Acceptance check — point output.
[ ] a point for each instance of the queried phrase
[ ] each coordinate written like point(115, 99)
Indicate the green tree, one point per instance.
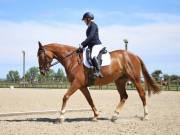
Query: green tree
point(60, 75)
point(13, 76)
point(156, 75)
point(32, 75)
point(50, 75)
point(166, 77)
point(174, 77)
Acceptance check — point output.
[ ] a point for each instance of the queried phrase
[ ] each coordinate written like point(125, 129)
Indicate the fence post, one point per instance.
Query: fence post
point(177, 86)
point(168, 83)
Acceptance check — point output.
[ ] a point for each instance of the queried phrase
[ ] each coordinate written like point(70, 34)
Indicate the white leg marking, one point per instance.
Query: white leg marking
point(63, 111)
point(145, 113)
point(145, 110)
point(62, 116)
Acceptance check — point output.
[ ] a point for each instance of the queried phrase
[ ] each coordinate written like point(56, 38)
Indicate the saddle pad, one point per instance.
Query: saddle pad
point(106, 59)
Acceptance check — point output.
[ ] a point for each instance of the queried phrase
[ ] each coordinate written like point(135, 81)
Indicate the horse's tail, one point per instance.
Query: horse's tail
point(149, 82)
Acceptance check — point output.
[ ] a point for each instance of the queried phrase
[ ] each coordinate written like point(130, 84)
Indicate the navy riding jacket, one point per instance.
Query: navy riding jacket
point(92, 36)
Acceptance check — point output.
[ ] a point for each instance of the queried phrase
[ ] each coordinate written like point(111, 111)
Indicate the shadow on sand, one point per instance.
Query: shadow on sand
point(55, 121)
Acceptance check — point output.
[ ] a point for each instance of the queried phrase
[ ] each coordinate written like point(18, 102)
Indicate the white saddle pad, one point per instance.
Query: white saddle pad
point(106, 59)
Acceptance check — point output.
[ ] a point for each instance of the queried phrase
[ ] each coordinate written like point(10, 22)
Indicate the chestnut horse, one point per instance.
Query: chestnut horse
point(124, 66)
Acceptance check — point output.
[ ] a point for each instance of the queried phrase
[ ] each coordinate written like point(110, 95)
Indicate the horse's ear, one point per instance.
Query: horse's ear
point(40, 45)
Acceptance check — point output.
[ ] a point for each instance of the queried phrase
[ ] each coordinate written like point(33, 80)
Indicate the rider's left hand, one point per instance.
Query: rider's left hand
point(80, 49)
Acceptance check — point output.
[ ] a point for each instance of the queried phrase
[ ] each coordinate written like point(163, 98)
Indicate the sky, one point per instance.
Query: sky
point(152, 28)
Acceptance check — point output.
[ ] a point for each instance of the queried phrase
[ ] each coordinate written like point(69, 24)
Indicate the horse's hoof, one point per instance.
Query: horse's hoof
point(61, 119)
point(94, 119)
point(114, 118)
point(57, 121)
point(145, 118)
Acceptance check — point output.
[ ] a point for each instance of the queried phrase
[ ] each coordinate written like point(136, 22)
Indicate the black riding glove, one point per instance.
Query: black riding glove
point(80, 49)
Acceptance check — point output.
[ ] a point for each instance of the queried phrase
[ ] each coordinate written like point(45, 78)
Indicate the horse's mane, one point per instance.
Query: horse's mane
point(56, 46)
point(61, 46)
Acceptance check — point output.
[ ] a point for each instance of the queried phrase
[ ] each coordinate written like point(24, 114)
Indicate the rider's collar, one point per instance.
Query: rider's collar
point(90, 23)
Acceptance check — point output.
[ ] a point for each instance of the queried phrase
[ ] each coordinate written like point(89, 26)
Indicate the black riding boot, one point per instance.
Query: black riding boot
point(97, 67)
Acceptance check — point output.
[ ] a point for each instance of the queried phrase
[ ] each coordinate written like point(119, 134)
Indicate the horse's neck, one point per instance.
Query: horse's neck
point(64, 56)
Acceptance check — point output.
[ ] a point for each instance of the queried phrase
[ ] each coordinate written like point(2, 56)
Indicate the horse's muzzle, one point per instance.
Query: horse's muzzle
point(43, 72)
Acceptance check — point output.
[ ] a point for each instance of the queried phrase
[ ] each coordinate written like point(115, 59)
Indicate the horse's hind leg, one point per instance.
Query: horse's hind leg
point(87, 95)
point(121, 87)
point(142, 95)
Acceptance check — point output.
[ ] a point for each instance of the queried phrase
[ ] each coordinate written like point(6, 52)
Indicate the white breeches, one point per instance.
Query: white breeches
point(95, 50)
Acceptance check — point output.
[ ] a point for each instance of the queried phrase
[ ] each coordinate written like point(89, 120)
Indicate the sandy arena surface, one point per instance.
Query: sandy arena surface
point(164, 113)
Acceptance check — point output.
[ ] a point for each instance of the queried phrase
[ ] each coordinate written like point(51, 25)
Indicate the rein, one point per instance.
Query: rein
point(55, 63)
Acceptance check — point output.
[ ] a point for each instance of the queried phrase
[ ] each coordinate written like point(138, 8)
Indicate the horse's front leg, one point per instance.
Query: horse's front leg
point(87, 95)
point(73, 88)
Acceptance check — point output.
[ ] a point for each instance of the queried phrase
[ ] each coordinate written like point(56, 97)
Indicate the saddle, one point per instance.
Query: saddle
point(99, 57)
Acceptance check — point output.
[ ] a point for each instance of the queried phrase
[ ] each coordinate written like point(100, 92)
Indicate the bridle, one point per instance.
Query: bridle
point(46, 64)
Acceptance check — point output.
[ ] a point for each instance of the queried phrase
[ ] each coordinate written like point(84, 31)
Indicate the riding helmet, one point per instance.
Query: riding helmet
point(88, 15)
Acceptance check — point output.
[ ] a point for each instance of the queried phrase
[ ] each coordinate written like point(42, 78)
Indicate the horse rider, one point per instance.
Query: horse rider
point(92, 41)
